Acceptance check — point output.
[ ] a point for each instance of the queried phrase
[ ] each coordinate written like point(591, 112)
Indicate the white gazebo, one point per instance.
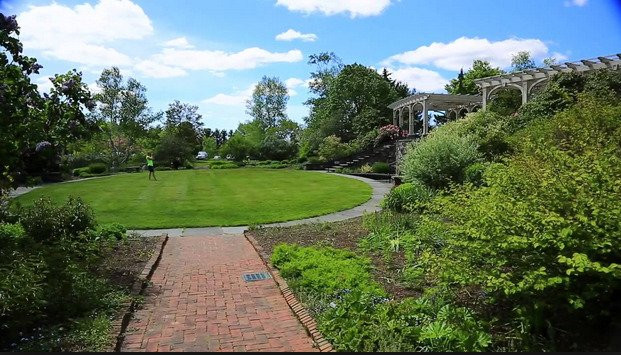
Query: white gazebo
point(453, 106)
point(528, 81)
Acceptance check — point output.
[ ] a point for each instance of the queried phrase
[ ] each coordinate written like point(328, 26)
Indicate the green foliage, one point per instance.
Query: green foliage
point(111, 232)
point(409, 198)
point(45, 222)
point(239, 147)
point(45, 261)
point(522, 61)
point(173, 148)
point(210, 146)
point(540, 233)
point(333, 149)
point(352, 102)
point(474, 173)
point(268, 105)
point(441, 158)
point(355, 315)
point(34, 129)
point(97, 168)
point(366, 323)
point(324, 270)
point(123, 116)
point(381, 168)
point(464, 83)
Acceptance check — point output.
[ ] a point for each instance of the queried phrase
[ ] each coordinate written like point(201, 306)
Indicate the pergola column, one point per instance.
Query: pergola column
point(401, 118)
point(394, 117)
point(524, 92)
point(411, 120)
point(484, 98)
point(425, 118)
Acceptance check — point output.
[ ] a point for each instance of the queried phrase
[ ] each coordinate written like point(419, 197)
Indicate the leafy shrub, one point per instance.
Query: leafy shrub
point(112, 231)
point(44, 221)
point(474, 173)
point(45, 263)
point(316, 160)
point(408, 198)
point(79, 171)
point(540, 234)
point(381, 168)
point(332, 148)
point(97, 168)
point(441, 158)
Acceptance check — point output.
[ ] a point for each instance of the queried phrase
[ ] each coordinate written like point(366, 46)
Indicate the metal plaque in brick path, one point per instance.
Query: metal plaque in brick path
point(259, 276)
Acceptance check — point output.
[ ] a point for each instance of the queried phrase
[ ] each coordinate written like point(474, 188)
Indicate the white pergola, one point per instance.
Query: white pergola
point(526, 81)
point(459, 105)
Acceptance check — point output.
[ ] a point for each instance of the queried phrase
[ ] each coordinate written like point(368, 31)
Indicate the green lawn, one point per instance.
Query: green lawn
point(203, 198)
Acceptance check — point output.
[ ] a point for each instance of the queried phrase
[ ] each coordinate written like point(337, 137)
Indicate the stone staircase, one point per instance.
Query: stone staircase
point(383, 153)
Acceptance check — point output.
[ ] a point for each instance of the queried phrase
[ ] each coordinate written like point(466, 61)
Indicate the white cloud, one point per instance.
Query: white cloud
point(579, 3)
point(355, 8)
point(461, 52)
point(219, 61)
point(181, 43)
point(152, 69)
point(291, 35)
point(80, 34)
point(44, 84)
point(238, 98)
point(423, 80)
point(560, 57)
point(94, 88)
point(292, 84)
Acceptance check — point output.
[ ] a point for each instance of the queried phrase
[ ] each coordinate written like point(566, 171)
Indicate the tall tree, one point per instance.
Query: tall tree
point(401, 88)
point(328, 65)
point(179, 112)
point(32, 126)
point(522, 61)
point(464, 83)
point(269, 100)
point(123, 113)
point(356, 103)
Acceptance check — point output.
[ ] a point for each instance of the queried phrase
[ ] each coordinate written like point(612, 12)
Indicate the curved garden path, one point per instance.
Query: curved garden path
point(197, 299)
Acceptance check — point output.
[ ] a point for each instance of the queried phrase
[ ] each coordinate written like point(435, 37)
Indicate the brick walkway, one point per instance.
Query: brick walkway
point(198, 301)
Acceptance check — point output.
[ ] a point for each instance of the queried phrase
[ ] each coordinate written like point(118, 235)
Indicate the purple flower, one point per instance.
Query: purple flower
point(35, 68)
point(42, 146)
point(8, 23)
point(67, 86)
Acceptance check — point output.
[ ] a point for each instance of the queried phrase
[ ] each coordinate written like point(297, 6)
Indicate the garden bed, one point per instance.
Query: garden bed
point(341, 235)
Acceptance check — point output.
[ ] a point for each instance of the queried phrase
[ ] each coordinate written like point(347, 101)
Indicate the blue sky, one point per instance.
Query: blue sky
point(212, 53)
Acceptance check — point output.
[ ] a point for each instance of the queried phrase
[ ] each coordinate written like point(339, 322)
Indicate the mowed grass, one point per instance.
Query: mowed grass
point(204, 198)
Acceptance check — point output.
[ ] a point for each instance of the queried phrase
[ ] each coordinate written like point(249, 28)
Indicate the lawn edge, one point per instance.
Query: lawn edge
point(119, 326)
point(298, 309)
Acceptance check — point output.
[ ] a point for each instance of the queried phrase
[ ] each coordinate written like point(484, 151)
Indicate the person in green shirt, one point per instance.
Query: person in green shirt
point(151, 166)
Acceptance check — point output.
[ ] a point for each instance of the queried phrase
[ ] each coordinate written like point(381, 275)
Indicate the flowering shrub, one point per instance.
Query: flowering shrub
point(388, 133)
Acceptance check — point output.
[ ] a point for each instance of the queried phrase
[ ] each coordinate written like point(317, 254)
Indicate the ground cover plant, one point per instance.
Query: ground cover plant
point(200, 198)
point(59, 288)
point(355, 314)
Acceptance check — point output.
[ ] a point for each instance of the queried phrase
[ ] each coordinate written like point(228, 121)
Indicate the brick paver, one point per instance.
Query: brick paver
point(198, 301)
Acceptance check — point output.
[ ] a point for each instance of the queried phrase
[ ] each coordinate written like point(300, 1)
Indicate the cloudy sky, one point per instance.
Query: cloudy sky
point(212, 53)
